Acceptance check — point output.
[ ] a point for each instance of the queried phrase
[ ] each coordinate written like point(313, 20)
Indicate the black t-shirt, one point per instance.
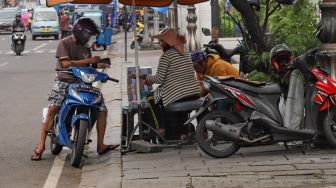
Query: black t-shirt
point(68, 49)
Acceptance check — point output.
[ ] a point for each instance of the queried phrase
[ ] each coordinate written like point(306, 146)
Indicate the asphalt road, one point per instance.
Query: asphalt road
point(25, 82)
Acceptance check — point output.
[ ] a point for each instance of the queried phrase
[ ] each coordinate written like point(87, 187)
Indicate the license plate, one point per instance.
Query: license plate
point(45, 30)
point(88, 88)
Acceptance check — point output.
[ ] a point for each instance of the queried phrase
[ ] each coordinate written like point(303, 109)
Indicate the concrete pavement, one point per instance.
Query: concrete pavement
point(189, 167)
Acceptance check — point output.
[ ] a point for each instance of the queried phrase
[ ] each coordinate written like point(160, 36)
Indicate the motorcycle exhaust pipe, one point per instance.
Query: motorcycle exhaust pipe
point(229, 132)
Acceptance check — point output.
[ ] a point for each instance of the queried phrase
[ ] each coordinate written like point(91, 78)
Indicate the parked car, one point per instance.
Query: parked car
point(7, 16)
point(45, 23)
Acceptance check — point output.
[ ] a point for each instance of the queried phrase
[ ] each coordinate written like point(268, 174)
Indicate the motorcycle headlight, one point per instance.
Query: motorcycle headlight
point(98, 99)
point(75, 94)
point(87, 77)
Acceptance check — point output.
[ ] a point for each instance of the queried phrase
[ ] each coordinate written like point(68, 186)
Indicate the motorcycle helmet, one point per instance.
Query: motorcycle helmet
point(280, 57)
point(83, 29)
point(198, 58)
point(17, 16)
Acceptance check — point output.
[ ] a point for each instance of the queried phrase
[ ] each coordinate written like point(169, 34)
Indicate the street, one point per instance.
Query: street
point(25, 83)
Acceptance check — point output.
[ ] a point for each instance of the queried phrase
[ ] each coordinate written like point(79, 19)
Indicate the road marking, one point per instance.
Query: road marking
point(26, 52)
point(55, 171)
point(3, 64)
point(10, 52)
point(40, 46)
point(3, 39)
point(39, 51)
point(52, 51)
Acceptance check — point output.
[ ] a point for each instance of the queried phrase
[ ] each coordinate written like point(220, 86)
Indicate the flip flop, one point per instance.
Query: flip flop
point(36, 156)
point(108, 148)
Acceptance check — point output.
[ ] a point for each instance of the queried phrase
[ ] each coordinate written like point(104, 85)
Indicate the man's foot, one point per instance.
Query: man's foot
point(108, 148)
point(36, 155)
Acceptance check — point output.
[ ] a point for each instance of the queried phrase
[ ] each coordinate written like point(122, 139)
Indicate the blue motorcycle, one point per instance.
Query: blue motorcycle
point(78, 113)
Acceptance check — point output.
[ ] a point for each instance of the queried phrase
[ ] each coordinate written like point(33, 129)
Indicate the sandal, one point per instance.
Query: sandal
point(36, 156)
point(108, 148)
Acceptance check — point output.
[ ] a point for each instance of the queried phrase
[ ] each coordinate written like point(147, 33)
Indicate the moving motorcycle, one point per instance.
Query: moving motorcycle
point(259, 121)
point(78, 113)
point(139, 35)
point(18, 40)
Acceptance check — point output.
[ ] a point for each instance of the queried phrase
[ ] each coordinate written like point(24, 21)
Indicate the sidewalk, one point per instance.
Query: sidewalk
point(189, 167)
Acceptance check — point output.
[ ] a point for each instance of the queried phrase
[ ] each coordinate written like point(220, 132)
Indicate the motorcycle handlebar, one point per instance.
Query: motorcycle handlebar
point(113, 80)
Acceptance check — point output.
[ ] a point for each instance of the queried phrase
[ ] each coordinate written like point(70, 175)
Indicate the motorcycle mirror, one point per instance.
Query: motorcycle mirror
point(206, 31)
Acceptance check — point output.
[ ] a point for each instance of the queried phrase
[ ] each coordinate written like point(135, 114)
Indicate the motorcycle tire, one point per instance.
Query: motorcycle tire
point(79, 143)
point(329, 127)
point(202, 135)
point(18, 53)
point(55, 147)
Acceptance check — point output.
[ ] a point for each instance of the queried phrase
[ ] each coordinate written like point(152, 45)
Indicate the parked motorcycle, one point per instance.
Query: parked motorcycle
point(216, 48)
point(78, 113)
point(18, 40)
point(259, 121)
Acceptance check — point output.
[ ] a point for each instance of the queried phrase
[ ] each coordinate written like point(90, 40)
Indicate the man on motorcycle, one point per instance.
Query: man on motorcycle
point(17, 23)
point(73, 51)
point(211, 65)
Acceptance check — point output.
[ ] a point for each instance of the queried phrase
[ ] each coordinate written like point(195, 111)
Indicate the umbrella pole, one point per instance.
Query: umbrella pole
point(137, 69)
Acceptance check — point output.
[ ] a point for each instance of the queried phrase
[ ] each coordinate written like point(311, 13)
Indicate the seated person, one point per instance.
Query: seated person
point(175, 74)
point(211, 65)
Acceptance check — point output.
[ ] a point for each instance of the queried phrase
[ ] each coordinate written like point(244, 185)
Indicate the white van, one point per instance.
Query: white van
point(45, 23)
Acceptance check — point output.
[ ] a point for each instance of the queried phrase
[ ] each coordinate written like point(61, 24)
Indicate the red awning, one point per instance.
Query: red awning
point(151, 3)
point(160, 3)
point(54, 2)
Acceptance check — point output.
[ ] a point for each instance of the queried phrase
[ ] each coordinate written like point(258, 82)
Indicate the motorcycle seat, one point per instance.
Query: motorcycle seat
point(259, 88)
point(185, 104)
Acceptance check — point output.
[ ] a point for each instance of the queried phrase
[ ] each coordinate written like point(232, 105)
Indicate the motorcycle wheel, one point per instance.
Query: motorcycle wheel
point(79, 143)
point(132, 45)
point(329, 127)
point(55, 147)
point(214, 144)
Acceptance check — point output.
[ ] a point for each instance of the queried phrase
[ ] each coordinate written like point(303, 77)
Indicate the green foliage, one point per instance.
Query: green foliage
point(259, 76)
point(295, 26)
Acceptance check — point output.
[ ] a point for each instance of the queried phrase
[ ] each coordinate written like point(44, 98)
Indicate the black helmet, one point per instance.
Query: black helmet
point(18, 16)
point(83, 29)
point(280, 56)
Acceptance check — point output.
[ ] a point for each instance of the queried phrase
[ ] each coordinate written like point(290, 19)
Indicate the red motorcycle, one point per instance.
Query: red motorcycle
point(254, 116)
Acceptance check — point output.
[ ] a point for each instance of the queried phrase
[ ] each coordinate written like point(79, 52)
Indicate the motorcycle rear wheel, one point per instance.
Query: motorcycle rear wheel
point(329, 127)
point(79, 143)
point(208, 141)
point(55, 147)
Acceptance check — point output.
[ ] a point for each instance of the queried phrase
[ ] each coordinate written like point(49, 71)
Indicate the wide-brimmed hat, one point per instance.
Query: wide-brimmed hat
point(172, 38)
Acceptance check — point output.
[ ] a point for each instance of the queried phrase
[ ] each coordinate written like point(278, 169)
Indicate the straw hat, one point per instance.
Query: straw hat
point(172, 38)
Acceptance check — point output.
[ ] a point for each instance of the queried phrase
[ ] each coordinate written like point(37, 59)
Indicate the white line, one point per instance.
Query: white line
point(40, 51)
point(3, 39)
point(3, 64)
point(52, 51)
point(40, 46)
point(26, 52)
point(10, 52)
point(55, 172)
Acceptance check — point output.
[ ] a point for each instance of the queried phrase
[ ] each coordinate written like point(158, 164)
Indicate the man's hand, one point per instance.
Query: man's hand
point(94, 59)
point(102, 66)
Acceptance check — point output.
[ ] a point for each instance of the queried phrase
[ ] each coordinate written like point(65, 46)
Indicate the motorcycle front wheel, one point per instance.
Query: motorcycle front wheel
point(329, 127)
point(211, 143)
point(79, 143)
